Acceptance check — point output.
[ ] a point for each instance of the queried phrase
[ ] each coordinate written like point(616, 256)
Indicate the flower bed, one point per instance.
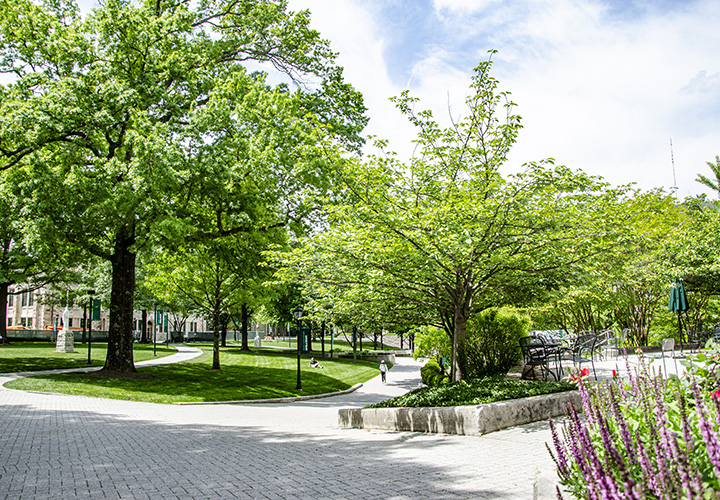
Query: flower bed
point(645, 437)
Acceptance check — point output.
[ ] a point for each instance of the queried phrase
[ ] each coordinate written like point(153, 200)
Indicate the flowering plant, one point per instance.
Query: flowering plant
point(575, 375)
point(642, 438)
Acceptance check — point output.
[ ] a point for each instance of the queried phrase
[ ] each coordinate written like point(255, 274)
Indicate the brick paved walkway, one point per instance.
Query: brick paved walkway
point(65, 447)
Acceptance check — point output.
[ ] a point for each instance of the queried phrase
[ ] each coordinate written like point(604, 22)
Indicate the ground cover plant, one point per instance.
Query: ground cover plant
point(35, 356)
point(244, 376)
point(474, 392)
point(647, 437)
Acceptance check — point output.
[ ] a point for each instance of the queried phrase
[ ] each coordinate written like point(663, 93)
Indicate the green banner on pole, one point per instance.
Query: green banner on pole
point(304, 340)
point(159, 318)
point(96, 310)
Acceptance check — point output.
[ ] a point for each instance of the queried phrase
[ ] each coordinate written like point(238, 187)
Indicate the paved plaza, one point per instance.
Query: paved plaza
point(64, 447)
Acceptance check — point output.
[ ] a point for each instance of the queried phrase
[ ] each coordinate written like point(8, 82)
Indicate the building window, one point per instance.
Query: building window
point(10, 298)
point(9, 322)
point(29, 325)
point(23, 299)
point(69, 322)
point(30, 298)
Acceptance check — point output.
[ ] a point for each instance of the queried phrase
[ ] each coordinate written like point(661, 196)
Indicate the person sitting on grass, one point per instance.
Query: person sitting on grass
point(314, 363)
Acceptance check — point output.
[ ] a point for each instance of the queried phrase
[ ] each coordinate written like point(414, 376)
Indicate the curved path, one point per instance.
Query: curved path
point(65, 447)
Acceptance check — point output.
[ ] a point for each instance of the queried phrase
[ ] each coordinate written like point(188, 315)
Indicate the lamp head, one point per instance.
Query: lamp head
point(298, 312)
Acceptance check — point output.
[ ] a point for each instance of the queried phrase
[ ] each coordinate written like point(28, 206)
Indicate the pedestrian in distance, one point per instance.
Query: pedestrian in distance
point(383, 371)
point(315, 364)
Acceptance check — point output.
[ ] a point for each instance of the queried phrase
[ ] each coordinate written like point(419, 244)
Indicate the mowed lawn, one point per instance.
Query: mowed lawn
point(261, 374)
point(35, 356)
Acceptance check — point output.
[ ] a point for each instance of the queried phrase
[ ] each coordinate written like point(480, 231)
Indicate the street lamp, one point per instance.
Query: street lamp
point(154, 328)
point(298, 315)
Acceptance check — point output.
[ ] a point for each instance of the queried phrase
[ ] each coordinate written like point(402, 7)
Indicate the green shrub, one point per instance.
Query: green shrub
point(491, 344)
point(431, 342)
point(475, 392)
point(432, 375)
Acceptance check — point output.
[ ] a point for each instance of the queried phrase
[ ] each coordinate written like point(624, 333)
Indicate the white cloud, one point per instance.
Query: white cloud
point(601, 85)
point(703, 84)
point(463, 6)
point(605, 93)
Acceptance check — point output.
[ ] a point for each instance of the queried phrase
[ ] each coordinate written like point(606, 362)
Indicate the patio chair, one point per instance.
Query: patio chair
point(620, 341)
point(584, 350)
point(536, 355)
point(605, 342)
point(668, 345)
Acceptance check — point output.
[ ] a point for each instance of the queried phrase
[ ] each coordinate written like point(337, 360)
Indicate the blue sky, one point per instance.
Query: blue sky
point(602, 86)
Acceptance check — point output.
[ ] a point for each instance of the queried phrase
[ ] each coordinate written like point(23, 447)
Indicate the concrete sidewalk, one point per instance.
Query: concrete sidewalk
point(76, 447)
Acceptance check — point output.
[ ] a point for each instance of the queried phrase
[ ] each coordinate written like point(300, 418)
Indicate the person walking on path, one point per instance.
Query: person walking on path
point(383, 370)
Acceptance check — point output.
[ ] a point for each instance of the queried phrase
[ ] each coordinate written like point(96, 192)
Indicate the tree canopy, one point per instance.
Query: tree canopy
point(451, 233)
point(139, 125)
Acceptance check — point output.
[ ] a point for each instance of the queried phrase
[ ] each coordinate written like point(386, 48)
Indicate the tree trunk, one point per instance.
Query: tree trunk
point(309, 336)
point(84, 332)
point(216, 321)
point(143, 328)
point(4, 287)
point(322, 339)
point(120, 338)
point(244, 328)
point(223, 333)
point(458, 339)
point(354, 344)
point(216, 337)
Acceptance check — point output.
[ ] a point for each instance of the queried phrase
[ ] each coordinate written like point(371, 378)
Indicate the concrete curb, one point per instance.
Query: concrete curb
point(277, 400)
point(462, 420)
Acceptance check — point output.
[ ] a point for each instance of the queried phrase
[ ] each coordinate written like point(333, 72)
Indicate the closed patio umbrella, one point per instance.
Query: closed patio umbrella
point(678, 302)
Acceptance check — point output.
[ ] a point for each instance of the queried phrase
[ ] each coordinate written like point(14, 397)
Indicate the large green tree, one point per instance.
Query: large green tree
point(24, 261)
point(448, 231)
point(623, 286)
point(220, 277)
point(140, 125)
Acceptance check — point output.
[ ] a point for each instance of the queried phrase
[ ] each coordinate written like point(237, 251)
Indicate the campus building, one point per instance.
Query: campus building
point(40, 312)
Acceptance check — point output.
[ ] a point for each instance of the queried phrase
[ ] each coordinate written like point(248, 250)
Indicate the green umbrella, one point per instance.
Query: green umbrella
point(678, 302)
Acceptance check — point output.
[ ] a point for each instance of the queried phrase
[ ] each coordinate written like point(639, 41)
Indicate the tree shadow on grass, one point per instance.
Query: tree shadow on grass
point(190, 382)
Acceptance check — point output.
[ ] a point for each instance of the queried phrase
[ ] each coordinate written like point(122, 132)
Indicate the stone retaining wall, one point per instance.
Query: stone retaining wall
point(465, 420)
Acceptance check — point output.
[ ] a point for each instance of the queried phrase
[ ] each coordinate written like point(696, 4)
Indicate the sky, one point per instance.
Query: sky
point(602, 86)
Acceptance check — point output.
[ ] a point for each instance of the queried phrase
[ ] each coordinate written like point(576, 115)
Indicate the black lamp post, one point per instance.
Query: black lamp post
point(154, 328)
point(298, 315)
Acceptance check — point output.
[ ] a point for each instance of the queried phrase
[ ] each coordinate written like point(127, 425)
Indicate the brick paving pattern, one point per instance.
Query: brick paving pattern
point(66, 447)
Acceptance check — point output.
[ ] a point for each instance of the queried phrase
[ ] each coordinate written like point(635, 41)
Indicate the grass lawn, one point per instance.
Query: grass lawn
point(33, 356)
point(255, 375)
